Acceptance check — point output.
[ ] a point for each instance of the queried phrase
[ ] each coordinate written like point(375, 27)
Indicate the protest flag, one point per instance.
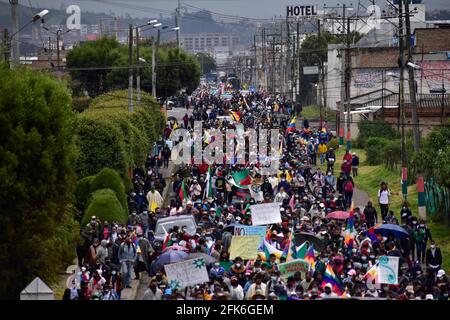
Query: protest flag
point(350, 231)
point(330, 277)
point(183, 194)
point(309, 257)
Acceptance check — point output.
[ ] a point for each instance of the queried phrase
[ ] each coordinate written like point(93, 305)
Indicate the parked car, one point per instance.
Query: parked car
point(163, 226)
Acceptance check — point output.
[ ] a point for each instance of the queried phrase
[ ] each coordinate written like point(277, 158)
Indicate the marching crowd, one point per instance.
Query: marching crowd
point(339, 265)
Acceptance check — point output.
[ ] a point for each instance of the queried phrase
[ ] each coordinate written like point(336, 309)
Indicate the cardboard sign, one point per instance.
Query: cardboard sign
point(288, 269)
point(388, 270)
point(186, 273)
point(250, 231)
point(267, 213)
point(245, 247)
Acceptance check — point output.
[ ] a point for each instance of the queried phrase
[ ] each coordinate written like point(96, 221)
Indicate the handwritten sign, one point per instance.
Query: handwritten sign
point(186, 273)
point(288, 269)
point(388, 270)
point(266, 213)
point(245, 247)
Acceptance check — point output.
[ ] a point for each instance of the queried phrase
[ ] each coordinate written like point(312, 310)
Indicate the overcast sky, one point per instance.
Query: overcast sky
point(246, 8)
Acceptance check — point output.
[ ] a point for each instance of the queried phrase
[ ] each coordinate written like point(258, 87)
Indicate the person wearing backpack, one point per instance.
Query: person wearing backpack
point(348, 191)
point(127, 257)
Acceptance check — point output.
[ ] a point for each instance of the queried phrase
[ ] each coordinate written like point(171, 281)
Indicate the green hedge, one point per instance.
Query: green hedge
point(110, 136)
point(109, 178)
point(334, 143)
point(82, 192)
point(374, 149)
point(369, 129)
point(105, 206)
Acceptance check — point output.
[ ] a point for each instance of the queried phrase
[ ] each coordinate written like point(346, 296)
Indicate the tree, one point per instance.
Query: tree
point(85, 63)
point(37, 154)
point(207, 63)
point(101, 66)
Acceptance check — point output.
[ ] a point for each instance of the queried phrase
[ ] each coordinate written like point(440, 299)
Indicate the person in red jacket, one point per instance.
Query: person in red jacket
point(348, 157)
point(346, 168)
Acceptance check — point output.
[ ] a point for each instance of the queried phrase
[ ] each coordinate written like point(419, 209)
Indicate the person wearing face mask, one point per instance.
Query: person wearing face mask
point(235, 289)
point(238, 268)
point(127, 257)
point(328, 294)
point(153, 292)
point(216, 271)
point(256, 289)
point(433, 258)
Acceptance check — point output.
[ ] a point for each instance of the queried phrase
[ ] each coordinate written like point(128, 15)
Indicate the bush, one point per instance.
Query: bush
point(110, 179)
point(105, 206)
point(369, 129)
point(392, 154)
point(82, 192)
point(79, 104)
point(374, 150)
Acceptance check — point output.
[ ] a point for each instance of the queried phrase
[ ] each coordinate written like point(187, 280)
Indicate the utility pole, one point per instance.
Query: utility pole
point(348, 79)
point(15, 32)
point(412, 87)
point(402, 101)
point(178, 23)
point(343, 91)
point(256, 63)
point(138, 70)
point(320, 78)
point(6, 46)
point(154, 62)
point(58, 35)
point(263, 44)
point(130, 68)
point(297, 85)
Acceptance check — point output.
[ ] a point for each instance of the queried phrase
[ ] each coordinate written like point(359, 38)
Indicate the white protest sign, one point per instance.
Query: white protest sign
point(186, 273)
point(266, 213)
point(388, 270)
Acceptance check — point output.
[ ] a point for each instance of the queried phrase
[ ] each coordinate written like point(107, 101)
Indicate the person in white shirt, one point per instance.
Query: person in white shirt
point(383, 199)
point(236, 290)
point(154, 196)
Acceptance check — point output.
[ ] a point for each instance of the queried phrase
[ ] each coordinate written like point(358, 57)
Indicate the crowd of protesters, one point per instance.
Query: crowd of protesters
point(306, 193)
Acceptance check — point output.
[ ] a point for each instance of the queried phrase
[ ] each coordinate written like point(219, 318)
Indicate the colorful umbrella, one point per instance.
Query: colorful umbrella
point(168, 257)
point(338, 215)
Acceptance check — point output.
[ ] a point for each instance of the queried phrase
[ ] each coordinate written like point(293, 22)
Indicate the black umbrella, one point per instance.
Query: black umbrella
point(302, 237)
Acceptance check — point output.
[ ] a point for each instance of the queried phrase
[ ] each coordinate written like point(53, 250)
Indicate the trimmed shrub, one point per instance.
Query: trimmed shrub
point(374, 150)
point(392, 154)
point(105, 206)
point(82, 192)
point(109, 178)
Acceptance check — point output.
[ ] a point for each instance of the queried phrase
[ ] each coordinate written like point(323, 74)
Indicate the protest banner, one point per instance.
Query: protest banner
point(245, 247)
point(266, 213)
point(186, 273)
point(250, 231)
point(388, 270)
point(288, 269)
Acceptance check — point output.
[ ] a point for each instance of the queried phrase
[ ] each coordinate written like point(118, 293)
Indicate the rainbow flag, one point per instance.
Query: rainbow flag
point(287, 249)
point(372, 274)
point(350, 231)
point(330, 277)
point(310, 258)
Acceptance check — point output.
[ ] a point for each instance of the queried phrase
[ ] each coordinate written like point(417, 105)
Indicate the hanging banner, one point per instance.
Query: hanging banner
point(288, 269)
point(250, 231)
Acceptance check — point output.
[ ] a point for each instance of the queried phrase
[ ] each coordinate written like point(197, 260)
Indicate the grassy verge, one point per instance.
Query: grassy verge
point(369, 179)
point(312, 112)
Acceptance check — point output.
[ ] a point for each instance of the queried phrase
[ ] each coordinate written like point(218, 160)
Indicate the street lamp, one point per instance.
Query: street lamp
point(16, 52)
